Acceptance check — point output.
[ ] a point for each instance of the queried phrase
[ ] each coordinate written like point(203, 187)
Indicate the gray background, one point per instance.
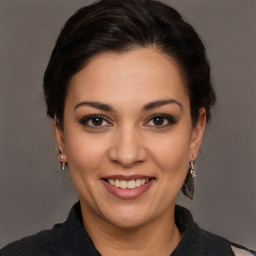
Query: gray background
point(34, 194)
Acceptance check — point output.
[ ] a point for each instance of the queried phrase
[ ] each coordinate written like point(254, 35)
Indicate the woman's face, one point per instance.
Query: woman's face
point(127, 122)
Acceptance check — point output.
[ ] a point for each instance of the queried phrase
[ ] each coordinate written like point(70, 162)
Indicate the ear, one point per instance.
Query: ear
point(59, 134)
point(197, 134)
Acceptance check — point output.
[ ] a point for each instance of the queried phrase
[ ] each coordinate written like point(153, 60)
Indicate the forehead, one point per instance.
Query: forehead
point(141, 74)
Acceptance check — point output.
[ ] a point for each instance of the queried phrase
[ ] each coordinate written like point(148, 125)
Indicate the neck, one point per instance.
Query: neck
point(157, 237)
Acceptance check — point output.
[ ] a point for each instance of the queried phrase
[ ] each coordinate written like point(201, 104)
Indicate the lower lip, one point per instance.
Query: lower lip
point(128, 193)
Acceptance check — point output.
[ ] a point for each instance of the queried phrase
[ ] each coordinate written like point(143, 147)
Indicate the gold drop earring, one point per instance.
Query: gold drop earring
point(63, 160)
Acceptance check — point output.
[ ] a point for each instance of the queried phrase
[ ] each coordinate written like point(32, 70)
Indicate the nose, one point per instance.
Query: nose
point(128, 148)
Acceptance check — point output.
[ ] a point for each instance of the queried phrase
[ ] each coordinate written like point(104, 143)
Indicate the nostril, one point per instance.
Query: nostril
point(127, 151)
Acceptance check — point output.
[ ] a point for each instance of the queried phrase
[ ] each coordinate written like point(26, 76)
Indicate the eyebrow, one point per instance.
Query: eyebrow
point(159, 103)
point(148, 106)
point(95, 104)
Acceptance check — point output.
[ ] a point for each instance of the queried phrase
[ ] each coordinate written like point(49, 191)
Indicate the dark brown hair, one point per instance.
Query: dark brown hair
point(119, 26)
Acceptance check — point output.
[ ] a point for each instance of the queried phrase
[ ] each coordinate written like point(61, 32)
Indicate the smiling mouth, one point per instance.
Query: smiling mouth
point(127, 184)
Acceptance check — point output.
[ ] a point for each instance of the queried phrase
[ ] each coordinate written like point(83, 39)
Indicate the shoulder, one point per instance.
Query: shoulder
point(215, 241)
point(68, 238)
point(239, 250)
point(197, 241)
point(48, 242)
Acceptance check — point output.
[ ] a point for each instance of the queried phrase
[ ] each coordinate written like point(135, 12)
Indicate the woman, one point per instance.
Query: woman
point(128, 86)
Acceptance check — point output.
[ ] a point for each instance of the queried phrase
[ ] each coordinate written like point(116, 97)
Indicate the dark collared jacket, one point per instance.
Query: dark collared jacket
point(71, 239)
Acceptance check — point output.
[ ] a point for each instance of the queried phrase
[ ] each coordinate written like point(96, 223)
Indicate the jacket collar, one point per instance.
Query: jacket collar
point(195, 241)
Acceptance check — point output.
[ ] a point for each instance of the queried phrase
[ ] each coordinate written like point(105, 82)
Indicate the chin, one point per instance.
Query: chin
point(128, 217)
point(129, 221)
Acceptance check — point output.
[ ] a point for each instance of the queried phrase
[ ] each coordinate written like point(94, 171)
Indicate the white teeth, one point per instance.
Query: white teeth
point(138, 183)
point(117, 184)
point(131, 184)
point(123, 184)
point(128, 184)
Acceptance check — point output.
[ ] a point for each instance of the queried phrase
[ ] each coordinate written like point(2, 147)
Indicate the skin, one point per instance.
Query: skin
point(129, 141)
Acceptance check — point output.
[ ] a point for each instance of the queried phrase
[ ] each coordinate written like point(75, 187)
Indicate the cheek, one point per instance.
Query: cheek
point(85, 153)
point(173, 149)
point(172, 157)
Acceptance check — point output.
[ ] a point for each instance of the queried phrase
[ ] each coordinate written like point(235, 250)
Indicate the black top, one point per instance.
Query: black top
point(71, 239)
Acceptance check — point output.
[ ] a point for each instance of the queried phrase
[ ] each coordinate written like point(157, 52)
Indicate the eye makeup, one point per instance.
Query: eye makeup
point(160, 120)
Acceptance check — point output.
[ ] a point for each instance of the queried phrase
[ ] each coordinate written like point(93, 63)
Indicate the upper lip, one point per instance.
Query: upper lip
point(129, 177)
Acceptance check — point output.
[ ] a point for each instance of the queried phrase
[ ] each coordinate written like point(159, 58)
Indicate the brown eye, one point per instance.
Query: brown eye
point(158, 120)
point(97, 121)
point(161, 121)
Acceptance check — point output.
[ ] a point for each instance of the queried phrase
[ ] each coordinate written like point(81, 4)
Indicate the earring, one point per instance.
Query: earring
point(63, 165)
point(63, 160)
point(192, 168)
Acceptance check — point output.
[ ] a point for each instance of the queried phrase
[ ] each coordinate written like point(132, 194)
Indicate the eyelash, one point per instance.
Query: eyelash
point(166, 118)
point(84, 121)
